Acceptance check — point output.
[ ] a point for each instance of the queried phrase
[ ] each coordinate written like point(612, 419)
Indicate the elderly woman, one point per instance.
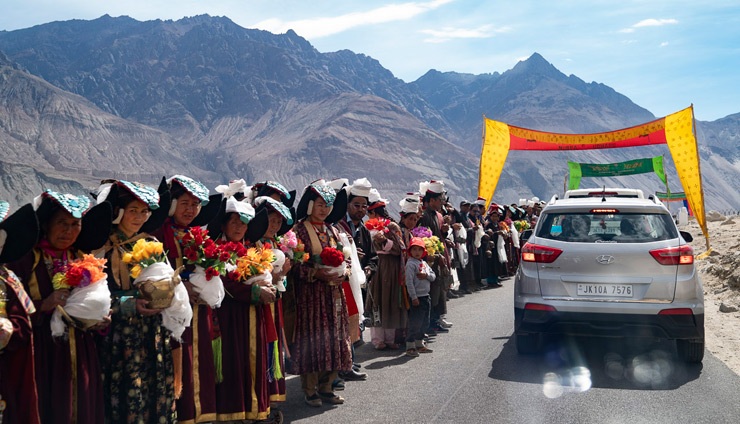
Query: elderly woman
point(243, 393)
point(195, 386)
point(322, 345)
point(18, 234)
point(67, 369)
point(136, 356)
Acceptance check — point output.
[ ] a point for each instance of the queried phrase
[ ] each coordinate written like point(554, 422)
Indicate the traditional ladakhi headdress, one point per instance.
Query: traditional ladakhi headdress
point(269, 204)
point(410, 203)
point(361, 187)
point(375, 201)
point(119, 192)
point(210, 205)
point(96, 221)
point(337, 201)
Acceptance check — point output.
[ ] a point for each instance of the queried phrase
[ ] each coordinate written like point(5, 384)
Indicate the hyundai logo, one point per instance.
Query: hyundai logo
point(605, 259)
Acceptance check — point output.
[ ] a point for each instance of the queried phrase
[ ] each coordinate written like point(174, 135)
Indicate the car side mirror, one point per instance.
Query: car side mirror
point(687, 236)
point(526, 234)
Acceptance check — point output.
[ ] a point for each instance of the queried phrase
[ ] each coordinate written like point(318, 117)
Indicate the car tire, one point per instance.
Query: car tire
point(691, 351)
point(528, 343)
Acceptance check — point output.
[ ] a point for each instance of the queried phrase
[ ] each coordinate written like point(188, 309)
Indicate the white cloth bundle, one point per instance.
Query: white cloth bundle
point(209, 291)
point(479, 233)
point(462, 248)
point(179, 314)
point(88, 303)
point(277, 268)
point(514, 236)
point(357, 277)
point(501, 248)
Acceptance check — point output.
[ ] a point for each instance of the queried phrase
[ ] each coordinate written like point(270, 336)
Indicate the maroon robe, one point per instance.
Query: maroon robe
point(243, 394)
point(17, 372)
point(61, 363)
point(195, 349)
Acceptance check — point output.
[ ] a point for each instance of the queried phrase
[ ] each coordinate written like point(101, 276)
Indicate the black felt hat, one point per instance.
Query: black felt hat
point(21, 232)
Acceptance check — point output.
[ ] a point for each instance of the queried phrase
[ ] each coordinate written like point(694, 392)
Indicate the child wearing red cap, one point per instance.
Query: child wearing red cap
point(419, 276)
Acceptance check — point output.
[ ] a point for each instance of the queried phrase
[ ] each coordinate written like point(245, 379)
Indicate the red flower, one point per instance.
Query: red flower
point(225, 256)
point(191, 255)
point(75, 276)
point(211, 252)
point(187, 238)
point(234, 276)
point(331, 257)
point(211, 272)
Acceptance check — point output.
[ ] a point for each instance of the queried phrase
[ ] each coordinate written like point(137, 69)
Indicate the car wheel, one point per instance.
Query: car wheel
point(691, 351)
point(528, 343)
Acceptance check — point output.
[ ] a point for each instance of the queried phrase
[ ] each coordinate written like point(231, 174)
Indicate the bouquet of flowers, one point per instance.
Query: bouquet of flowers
point(89, 301)
point(160, 285)
point(144, 254)
point(377, 226)
point(434, 245)
point(292, 247)
point(332, 258)
point(200, 250)
point(254, 266)
point(421, 232)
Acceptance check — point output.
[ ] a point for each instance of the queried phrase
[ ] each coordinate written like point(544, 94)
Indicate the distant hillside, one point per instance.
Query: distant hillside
point(247, 103)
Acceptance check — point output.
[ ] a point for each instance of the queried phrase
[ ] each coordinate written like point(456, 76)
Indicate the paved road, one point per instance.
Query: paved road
point(476, 376)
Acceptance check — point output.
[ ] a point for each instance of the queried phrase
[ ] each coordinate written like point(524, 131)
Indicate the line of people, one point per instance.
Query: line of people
point(225, 359)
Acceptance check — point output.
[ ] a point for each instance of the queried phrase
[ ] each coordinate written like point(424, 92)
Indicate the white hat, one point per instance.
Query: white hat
point(244, 209)
point(433, 186)
point(337, 183)
point(480, 201)
point(535, 199)
point(530, 203)
point(374, 196)
point(409, 205)
point(361, 187)
point(522, 202)
point(234, 187)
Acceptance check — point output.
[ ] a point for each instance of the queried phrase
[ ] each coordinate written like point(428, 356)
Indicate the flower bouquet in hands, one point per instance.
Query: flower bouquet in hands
point(89, 301)
point(160, 285)
point(377, 226)
point(207, 256)
point(254, 266)
point(292, 247)
point(332, 259)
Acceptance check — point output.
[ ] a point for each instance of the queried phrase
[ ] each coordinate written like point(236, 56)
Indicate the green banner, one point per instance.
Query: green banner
point(670, 197)
point(631, 167)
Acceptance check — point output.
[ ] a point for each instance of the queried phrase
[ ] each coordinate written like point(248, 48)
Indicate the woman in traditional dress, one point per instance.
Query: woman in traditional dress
point(135, 353)
point(67, 369)
point(195, 378)
point(386, 297)
point(280, 221)
point(322, 345)
point(18, 396)
point(243, 393)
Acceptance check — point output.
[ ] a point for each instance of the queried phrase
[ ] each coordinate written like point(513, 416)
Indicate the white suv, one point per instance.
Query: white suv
point(609, 266)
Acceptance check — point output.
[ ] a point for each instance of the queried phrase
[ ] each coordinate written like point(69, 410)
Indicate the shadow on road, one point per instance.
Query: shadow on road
point(577, 364)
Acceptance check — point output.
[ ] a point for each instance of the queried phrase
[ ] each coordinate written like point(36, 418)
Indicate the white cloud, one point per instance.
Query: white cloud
point(649, 23)
point(663, 44)
point(324, 26)
point(654, 22)
point(449, 33)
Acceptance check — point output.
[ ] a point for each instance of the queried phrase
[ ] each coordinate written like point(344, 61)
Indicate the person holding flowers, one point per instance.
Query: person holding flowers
point(385, 297)
point(195, 384)
point(321, 345)
point(68, 375)
point(135, 353)
point(280, 236)
point(18, 234)
point(244, 319)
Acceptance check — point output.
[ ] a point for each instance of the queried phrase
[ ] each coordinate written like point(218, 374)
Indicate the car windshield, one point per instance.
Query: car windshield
point(614, 228)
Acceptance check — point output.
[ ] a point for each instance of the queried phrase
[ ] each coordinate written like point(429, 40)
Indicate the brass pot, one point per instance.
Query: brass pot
point(159, 293)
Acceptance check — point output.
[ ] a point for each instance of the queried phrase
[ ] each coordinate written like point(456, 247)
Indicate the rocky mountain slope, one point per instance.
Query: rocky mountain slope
point(248, 103)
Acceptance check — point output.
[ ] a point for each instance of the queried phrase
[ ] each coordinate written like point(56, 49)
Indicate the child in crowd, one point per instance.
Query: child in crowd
point(419, 276)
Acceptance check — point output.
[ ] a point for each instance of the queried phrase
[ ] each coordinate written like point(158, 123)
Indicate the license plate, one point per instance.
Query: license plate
point(617, 290)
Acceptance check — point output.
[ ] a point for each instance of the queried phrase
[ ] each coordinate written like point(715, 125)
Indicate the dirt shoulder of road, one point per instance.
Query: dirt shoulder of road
point(720, 273)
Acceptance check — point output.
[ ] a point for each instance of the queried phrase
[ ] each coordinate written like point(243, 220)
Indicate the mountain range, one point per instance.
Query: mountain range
point(204, 97)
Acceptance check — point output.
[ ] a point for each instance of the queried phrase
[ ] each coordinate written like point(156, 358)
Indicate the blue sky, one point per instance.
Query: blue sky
point(664, 55)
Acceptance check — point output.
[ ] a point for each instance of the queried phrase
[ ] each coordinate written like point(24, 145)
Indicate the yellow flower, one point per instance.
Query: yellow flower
point(135, 271)
point(127, 258)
